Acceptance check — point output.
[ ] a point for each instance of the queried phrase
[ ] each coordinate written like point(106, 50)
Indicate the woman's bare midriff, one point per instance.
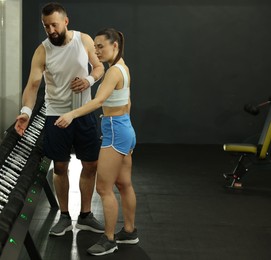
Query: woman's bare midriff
point(115, 111)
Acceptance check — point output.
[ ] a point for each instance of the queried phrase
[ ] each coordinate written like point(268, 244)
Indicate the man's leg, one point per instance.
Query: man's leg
point(61, 184)
point(86, 220)
point(86, 184)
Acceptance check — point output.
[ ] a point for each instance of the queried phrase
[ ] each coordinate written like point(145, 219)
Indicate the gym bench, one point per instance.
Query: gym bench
point(251, 153)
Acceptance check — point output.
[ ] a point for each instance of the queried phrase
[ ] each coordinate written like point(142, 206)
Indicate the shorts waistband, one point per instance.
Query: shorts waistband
point(120, 116)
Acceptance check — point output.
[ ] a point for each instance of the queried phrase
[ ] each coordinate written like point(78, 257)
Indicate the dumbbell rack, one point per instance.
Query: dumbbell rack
point(22, 178)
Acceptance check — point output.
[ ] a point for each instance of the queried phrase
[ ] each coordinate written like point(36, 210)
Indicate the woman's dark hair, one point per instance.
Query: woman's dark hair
point(113, 35)
point(52, 7)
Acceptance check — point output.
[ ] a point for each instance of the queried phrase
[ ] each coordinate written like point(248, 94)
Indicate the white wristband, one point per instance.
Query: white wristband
point(26, 110)
point(90, 79)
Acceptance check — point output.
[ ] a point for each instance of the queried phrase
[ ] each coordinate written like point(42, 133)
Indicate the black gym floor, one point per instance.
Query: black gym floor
point(183, 210)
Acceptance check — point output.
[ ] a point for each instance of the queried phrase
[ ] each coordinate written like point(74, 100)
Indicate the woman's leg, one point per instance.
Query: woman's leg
point(128, 198)
point(109, 166)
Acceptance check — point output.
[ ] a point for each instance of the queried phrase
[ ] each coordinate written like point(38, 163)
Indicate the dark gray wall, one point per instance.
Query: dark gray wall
point(194, 64)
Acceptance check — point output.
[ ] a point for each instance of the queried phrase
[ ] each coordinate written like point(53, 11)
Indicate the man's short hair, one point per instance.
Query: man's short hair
point(52, 7)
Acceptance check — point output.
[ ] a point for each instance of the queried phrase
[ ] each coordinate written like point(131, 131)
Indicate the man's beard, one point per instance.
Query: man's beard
point(58, 41)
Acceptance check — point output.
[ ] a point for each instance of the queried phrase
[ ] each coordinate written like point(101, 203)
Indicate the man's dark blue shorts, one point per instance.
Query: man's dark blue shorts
point(81, 135)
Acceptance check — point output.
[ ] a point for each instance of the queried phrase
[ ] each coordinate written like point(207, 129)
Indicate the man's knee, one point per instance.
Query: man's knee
point(61, 168)
point(89, 168)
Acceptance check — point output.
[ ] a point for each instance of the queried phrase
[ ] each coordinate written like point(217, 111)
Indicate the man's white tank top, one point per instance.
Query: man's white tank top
point(63, 64)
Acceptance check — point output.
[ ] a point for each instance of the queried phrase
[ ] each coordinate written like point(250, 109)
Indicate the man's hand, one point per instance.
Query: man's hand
point(78, 85)
point(21, 124)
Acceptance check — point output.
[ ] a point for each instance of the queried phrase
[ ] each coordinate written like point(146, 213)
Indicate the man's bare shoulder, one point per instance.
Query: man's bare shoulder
point(86, 38)
point(39, 55)
point(40, 50)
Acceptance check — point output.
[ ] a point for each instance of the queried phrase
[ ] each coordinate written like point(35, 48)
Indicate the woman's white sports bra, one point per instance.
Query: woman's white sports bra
point(119, 97)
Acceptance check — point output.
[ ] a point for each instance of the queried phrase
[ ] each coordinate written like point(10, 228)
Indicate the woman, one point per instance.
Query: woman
point(115, 160)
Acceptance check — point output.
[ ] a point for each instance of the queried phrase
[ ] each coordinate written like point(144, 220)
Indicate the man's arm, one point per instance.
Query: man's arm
point(31, 89)
point(80, 84)
point(97, 67)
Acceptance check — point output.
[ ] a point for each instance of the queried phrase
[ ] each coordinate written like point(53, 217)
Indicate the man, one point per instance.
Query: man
point(63, 60)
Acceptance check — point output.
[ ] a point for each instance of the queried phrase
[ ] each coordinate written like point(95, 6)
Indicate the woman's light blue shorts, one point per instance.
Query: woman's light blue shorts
point(118, 133)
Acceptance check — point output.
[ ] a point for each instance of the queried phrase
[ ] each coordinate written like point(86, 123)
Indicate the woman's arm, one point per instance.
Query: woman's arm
point(111, 79)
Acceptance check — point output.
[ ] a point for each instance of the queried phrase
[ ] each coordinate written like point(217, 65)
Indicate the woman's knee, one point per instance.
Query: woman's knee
point(122, 186)
point(104, 189)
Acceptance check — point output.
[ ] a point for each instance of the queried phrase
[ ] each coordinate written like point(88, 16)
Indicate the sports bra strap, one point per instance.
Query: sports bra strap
point(125, 76)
